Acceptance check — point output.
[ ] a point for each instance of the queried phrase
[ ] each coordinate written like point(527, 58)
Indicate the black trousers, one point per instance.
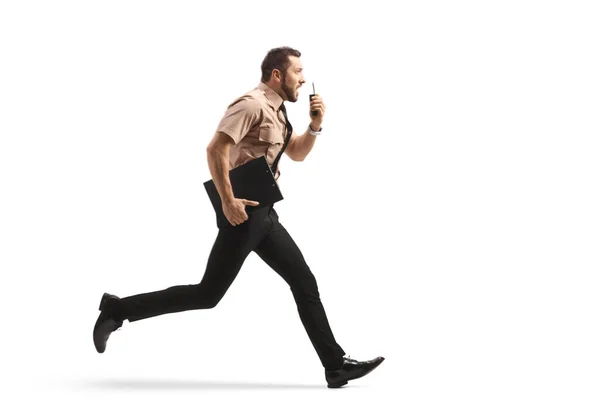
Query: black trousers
point(263, 234)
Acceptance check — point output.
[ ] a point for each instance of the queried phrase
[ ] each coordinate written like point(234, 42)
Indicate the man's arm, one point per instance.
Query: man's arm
point(300, 146)
point(217, 154)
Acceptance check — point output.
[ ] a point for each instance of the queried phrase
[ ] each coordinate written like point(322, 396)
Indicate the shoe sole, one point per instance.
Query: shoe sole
point(97, 343)
point(97, 340)
point(336, 385)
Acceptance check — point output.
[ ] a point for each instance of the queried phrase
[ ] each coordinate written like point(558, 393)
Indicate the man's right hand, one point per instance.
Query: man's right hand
point(235, 210)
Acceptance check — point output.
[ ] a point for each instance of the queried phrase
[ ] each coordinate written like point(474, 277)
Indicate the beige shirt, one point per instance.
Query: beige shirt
point(256, 125)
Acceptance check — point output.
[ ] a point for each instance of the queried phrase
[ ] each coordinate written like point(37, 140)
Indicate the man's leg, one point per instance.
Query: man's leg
point(232, 246)
point(282, 254)
point(230, 250)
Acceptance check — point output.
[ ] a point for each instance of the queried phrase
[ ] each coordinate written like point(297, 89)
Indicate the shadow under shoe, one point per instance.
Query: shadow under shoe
point(350, 369)
point(106, 322)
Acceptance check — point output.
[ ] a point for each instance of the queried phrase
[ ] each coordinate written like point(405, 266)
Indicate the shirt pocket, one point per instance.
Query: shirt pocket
point(269, 135)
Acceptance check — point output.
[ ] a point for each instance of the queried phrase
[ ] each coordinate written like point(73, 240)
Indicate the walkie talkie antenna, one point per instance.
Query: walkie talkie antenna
point(310, 96)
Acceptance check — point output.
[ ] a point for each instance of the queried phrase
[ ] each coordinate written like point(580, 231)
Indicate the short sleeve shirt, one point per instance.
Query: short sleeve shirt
point(256, 125)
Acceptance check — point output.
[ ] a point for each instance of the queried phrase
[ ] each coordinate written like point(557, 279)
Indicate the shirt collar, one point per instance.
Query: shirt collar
point(274, 99)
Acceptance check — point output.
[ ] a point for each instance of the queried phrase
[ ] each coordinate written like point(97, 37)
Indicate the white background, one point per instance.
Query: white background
point(449, 210)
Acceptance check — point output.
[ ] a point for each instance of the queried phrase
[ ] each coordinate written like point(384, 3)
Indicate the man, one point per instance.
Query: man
point(254, 125)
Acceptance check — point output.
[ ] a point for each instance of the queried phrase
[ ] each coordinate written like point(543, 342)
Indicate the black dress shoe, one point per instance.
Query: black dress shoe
point(350, 369)
point(106, 323)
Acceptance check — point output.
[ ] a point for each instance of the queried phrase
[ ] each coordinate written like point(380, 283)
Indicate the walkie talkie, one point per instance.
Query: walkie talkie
point(310, 96)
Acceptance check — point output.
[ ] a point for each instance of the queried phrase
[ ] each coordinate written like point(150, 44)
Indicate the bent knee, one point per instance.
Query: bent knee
point(208, 299)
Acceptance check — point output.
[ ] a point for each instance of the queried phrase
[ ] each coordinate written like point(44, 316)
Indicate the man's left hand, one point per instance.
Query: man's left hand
point(316, 104)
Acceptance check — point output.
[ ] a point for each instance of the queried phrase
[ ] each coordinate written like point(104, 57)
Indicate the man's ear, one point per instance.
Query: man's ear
point(277, 75)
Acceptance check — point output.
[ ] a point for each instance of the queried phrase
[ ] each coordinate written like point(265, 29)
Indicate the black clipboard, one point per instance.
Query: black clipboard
point(253, 180)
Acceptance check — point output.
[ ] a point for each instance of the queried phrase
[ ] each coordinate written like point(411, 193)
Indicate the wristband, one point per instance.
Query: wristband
point(314, 133)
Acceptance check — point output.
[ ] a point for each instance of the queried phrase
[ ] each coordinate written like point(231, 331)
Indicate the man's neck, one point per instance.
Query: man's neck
point(276, 90)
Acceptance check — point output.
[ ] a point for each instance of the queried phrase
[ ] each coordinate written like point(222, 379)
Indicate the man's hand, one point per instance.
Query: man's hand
point(235, 210)
point(316, 104)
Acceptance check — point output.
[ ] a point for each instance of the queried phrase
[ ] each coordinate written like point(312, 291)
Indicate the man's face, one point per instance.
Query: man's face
point(292, 79)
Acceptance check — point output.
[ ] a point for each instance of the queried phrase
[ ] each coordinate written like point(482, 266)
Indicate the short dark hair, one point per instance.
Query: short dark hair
point(277, 58)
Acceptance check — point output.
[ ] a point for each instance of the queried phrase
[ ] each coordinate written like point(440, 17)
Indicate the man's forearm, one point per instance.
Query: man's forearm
point(218, 163)
point(303, 145)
